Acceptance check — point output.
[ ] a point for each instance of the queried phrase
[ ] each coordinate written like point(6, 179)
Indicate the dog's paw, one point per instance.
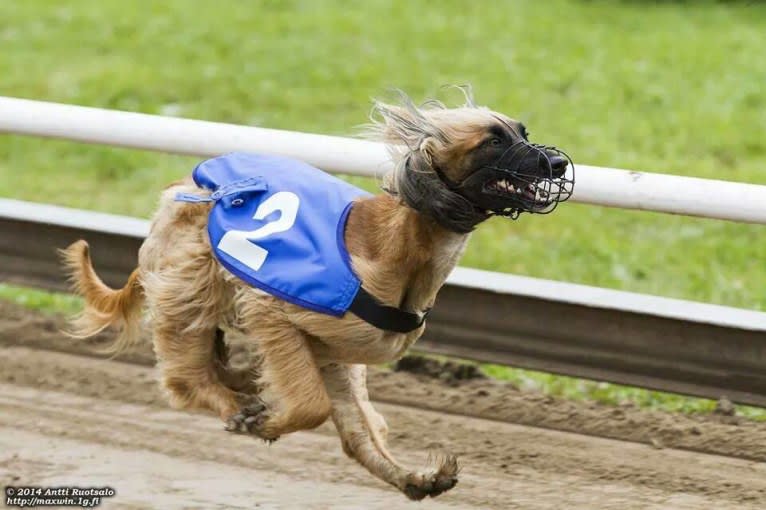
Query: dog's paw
point(250, 419)
point(419, 485)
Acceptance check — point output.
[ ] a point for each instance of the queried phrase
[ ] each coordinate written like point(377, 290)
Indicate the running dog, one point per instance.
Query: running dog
point(321, 277)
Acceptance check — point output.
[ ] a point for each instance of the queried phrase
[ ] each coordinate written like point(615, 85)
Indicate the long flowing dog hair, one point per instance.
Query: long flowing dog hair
point(104, 306)
point(420, 139)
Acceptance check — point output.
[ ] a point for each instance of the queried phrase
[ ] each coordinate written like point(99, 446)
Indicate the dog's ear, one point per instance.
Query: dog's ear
point(409, 126)
point(430, 147)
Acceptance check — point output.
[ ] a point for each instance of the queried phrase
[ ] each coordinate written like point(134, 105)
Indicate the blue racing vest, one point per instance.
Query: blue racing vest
point(278, 224)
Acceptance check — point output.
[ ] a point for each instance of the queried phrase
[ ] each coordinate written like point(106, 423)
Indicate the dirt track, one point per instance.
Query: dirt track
point(68, 418)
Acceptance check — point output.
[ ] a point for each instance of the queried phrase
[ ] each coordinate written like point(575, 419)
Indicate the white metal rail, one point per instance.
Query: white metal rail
point(602, 186)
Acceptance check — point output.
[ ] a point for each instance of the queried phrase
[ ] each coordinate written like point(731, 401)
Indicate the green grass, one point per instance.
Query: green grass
point(669, 87)
point(674, 87)
point(46, 302)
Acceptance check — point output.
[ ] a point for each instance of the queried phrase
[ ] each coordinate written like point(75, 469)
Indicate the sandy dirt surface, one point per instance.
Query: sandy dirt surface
point(69, 418)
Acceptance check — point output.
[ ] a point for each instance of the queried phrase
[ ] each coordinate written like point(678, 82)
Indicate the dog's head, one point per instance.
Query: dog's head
point(470, 158)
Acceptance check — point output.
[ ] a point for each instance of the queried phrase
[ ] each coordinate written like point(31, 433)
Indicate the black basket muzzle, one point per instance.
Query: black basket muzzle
point(527, 177)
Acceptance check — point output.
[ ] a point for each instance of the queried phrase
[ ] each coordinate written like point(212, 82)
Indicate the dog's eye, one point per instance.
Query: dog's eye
point(494, 142)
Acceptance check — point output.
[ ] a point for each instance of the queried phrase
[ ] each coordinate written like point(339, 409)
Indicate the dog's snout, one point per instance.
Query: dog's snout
point(558, 165)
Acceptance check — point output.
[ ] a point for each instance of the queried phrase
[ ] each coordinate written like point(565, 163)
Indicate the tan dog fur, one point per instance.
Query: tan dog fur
point(311, 366)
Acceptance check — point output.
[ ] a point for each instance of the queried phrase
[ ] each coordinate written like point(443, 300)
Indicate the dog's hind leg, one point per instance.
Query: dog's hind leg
point(292, 394)
point(363, 435)
point(189, 375)
point(186, 302)
point(238, 379)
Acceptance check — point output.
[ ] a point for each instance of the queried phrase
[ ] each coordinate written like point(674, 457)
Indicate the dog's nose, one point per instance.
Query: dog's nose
point(558, 165)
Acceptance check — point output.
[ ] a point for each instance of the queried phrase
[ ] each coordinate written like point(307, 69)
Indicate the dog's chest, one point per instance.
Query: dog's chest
point(278, 225)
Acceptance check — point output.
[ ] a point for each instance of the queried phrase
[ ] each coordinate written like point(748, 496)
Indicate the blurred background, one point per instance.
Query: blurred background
point(671, 87)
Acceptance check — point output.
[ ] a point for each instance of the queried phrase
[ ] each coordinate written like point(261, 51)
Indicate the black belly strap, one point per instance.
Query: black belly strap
point(385, 317)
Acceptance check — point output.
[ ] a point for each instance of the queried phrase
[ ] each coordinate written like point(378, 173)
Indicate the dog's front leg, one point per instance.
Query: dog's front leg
point(291, 394)
point(363, 433)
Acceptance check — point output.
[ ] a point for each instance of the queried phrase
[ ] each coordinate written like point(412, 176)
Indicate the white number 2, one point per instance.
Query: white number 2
point(237, 243)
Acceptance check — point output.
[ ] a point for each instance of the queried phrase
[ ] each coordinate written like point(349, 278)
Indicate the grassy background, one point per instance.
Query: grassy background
point(674, 87)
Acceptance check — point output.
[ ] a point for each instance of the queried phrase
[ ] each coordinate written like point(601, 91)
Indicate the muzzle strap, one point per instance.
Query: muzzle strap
point(424, 191)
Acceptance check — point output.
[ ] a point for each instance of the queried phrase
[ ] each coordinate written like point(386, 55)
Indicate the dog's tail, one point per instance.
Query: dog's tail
point(104, 306)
